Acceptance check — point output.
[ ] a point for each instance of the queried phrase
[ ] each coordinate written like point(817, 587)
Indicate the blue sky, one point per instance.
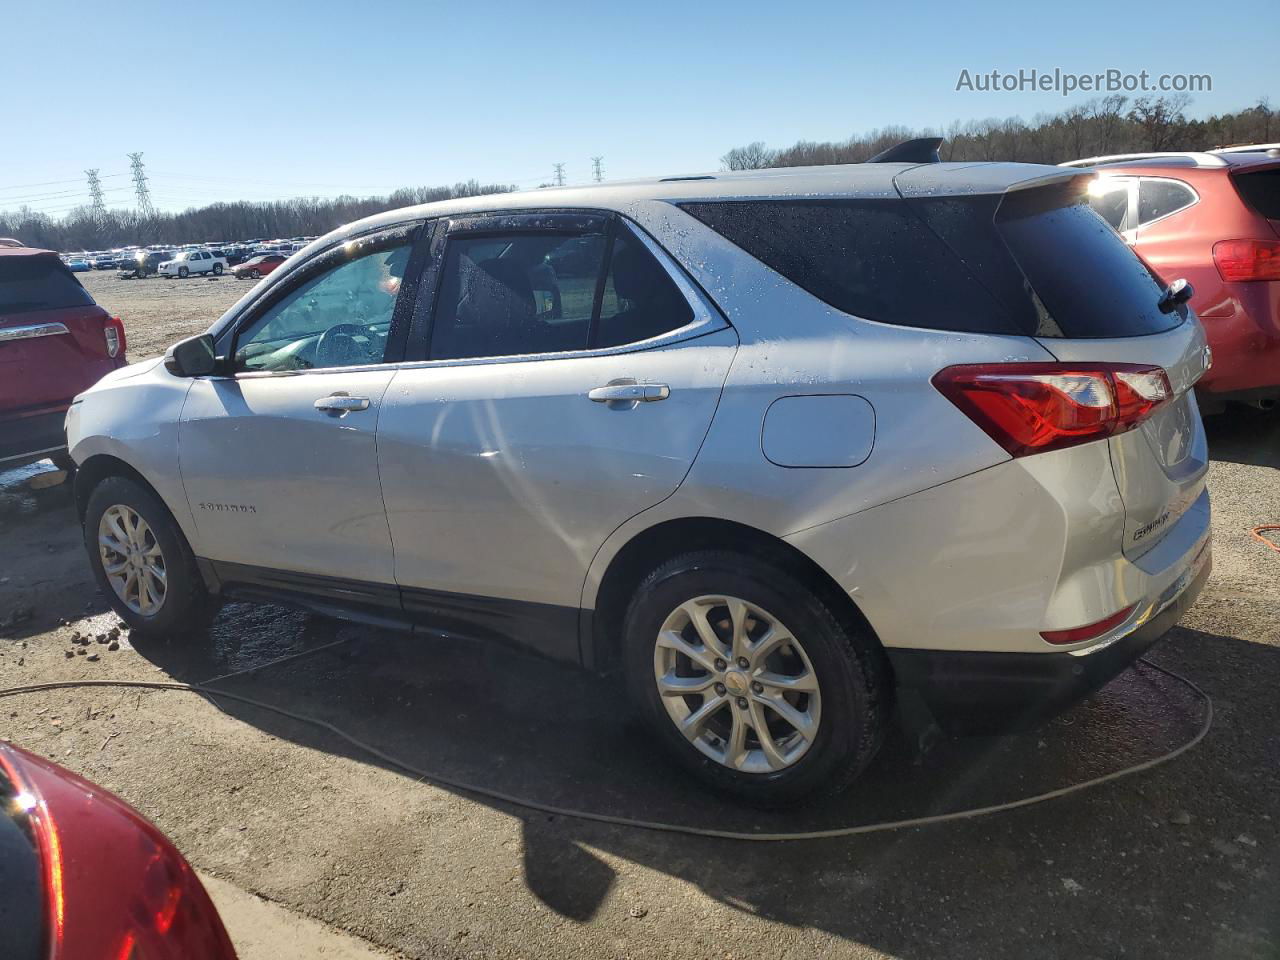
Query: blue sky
point(273, 99)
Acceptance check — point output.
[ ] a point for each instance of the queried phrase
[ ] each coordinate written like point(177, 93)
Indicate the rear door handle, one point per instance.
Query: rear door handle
point(630, 393)
point(341, 403)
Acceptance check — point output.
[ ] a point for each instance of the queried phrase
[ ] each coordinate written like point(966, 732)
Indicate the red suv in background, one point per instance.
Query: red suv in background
point(1214, 219)
point(54, 343)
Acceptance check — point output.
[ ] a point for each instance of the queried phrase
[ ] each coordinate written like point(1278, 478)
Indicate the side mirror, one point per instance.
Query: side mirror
point(193, 357)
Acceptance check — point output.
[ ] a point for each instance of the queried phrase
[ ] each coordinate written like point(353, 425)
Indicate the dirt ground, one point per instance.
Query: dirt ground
point(156, 311)
point(1181, 860)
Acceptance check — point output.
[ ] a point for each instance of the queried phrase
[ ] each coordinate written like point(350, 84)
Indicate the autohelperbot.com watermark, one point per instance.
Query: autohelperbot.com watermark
point(1065, 82)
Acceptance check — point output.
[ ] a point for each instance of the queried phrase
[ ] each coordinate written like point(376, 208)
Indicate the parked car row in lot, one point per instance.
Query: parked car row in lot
point(127, 259)
point(778, 449)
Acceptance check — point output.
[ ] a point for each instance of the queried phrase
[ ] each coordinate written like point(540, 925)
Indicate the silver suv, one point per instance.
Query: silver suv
point(781, 447)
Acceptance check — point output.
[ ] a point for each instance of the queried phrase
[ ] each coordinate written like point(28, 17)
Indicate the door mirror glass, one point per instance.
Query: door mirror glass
point(193, 357)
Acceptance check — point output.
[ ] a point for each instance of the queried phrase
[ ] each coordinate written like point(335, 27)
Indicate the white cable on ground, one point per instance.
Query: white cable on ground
point(442, 781)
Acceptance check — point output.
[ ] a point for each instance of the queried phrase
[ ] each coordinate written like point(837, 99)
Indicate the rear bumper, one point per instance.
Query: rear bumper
point(992, 692)
point(32, 437)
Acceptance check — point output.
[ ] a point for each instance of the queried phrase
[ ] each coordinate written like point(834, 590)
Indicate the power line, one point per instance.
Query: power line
point(49, 183)
point(559, 174)
point(140, 186)
point(597, 171)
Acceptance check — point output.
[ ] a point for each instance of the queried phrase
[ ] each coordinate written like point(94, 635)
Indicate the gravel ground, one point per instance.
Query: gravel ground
point(1182, 860)
point(156, 312)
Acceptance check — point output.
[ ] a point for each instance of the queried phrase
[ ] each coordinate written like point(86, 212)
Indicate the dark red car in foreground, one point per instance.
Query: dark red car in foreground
point(258, 266)
point(54, 343)
point(1214, 220)
point(84, 877)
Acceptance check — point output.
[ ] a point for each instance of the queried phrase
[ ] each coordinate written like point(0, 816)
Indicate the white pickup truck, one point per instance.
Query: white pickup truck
point(193, 261)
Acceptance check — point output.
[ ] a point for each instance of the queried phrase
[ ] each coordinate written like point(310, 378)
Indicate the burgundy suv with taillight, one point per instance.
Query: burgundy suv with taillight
point(84, 877)
point(1212, 219)
point(55, 341)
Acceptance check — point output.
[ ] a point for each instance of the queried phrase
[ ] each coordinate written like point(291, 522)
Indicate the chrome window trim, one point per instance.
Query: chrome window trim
point(30, 331)
point(706, 319)
point(1137, 213)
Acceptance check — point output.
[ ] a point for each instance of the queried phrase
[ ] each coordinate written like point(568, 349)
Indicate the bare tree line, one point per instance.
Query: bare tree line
point(220, 222)
point(1113, 124)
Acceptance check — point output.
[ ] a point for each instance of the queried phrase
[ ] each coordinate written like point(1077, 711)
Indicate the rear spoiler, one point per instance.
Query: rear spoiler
point(977, 179)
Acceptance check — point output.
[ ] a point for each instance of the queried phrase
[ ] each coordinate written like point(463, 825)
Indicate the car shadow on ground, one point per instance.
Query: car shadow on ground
point(1241, 435)
point(525, 727)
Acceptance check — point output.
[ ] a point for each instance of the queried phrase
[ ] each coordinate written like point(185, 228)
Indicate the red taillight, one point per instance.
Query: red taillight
point(1089, 631)
point(1035, 407)
point(1239, 260)
point(116, 888)
point(113, 333)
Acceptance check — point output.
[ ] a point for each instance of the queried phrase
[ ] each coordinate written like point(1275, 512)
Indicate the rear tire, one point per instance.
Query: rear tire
point(185, 603)
point(841, 722)
point(217, 269)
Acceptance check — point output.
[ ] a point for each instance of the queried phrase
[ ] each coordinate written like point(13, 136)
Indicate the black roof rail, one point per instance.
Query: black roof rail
point(920, 150)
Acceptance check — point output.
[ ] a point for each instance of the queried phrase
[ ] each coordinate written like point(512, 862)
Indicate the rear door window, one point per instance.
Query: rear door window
point(528, 292)
point(38, 283)
point(1110, 200)
point(1158, 198)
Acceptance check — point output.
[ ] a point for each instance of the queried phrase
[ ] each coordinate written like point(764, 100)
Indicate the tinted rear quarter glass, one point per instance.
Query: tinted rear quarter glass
point(872, 258)
point(1035, 262)
point(1261, 191)
point(38, 283)
point(1083, 273)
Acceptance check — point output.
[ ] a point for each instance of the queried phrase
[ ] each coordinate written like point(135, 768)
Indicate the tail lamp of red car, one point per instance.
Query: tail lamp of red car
point(115, 888)
point(1247, 260)
point(1036, 407)
point(113, 334)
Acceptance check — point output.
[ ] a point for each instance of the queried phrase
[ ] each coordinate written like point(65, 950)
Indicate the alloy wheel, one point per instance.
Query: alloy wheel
point(132, 560)
point(737, 684)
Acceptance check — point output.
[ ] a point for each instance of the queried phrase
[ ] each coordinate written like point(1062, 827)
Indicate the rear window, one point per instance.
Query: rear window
point(1083, 277)
point(38, 283)
point(1261, 191)
point(1035, 263)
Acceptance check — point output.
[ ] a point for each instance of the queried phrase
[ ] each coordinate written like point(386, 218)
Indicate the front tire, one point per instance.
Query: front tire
point(255, 274)
point(751, 681)
point(142, 561)
point(183, 273)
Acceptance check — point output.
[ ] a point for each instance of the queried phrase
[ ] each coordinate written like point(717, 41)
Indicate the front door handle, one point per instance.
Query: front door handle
point(341, 403)
point(630, 393)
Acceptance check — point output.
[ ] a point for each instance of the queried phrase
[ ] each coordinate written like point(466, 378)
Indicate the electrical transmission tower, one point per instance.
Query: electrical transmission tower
point(95, 193)
point(140, 189)
point(597, 171)
point(559, 174)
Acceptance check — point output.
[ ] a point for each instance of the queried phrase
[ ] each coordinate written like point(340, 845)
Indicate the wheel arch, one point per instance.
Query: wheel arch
point(655, 544)
point(99, 467)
